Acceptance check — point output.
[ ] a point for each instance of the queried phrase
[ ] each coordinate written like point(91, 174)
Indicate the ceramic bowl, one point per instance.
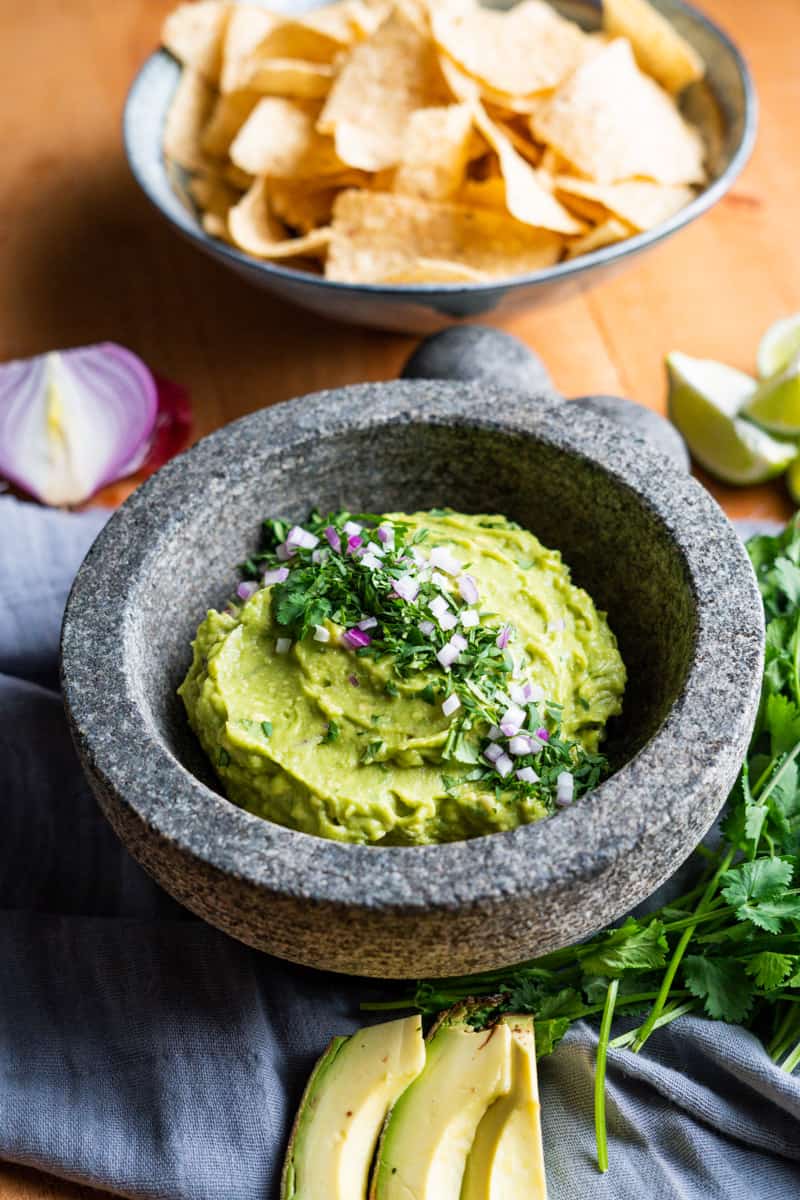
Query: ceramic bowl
point(648, 542)
point(724, 108)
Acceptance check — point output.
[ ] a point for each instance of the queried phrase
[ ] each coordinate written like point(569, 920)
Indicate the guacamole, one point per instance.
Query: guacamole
point(470, 695)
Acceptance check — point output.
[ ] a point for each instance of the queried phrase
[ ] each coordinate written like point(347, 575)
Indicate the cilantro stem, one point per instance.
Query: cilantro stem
point(792, 1061)
point(779, 774)
point(600, 1130)
point(671, 1014)
point(679, 951)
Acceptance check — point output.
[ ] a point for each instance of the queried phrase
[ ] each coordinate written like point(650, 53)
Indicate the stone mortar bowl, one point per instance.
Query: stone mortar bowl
point(649, 544)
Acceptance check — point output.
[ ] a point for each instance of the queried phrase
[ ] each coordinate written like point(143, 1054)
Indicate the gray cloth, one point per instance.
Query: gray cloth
point(144, 1052)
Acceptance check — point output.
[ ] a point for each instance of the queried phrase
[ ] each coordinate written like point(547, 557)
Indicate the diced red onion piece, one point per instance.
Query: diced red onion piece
point(493, 752)
point(275, 575)
point(297, 537)
point(442, 558)
point(406, 588)
point(355, 639)
point(504, 766)
point(417, 555)
point(517, 693)
point(439, 580)
point(283, 645)
point(504, 637)
point(367, 623)
point(354, 681)
point(369, 560)
point(354, 542)
point(519, 745)
point(334, 541)
point(533, 693)
point(512, 720)
point(458, 641)
point(386, 535)
point(527, 775)
point(427, 627)
point(352, 529)
point(319, 556)
point(543, 735)
point(469, 618)
point(246, 589)
point(376, 548)
point(451, 704)
point(438, 607)
point(448, 655)
point(495, 733)
point(468, 589)
point(321, 633)
point(284, 552)
point(447, 621)
point(565, 789)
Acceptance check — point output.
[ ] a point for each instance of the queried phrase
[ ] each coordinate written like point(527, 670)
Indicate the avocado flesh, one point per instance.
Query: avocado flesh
point(507, 1159)
point(344, 1107)
point(423, 1152)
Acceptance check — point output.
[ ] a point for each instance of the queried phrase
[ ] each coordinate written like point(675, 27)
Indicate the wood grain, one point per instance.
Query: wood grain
point(83, 257)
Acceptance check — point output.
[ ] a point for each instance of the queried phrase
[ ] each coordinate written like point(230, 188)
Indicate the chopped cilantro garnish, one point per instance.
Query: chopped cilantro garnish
point(266, 728)
point(224, 758)
point(331, 733)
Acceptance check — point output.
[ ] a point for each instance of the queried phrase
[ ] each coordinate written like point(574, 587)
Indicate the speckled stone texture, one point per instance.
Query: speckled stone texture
point(646, 540)
point(482, 354)
point(642, 421)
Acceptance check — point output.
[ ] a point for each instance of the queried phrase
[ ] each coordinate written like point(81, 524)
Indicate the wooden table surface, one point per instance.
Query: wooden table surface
point(83, 257)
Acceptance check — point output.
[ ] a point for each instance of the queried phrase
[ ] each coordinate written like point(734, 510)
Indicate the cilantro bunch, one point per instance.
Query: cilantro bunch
point(730, 946)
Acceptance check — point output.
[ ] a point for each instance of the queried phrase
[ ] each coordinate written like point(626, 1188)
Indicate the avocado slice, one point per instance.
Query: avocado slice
point(344, 1106)
point(429, 1132)
point(506, 1161)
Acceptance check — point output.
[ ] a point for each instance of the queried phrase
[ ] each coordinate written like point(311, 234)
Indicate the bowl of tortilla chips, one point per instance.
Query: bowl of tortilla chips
point(407, 163)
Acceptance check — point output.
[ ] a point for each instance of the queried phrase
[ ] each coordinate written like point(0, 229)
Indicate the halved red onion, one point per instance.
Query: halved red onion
point(468, 589)
point(356, 639)
point(246, 589)
point(74, 420)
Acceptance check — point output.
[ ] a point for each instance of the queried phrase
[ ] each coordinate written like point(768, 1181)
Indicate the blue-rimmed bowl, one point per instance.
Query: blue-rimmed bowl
point(723, 107)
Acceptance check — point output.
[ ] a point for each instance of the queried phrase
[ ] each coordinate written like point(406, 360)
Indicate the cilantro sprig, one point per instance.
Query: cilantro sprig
point(729, 947)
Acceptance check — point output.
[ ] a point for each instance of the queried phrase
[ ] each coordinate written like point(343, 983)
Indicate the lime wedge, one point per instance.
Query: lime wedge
point(779, 345)
point(705, 399)
point(793, 481)
point(775, 404)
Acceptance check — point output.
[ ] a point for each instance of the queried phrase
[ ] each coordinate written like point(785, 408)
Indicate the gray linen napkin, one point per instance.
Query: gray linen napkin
point(144, 1052)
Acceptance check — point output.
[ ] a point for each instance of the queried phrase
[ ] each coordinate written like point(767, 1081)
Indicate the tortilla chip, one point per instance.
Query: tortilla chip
point(248, 25)
point(435, 270)
point(435, 152)
point(316, 37)
point(527, 195)
point(216, 226)
point(229, 113)
point(606, 234)
point(380, 85)
point(659, 48)
point(237, 177)
point(483, 193)
point(378, 234)
point(611, 123)
point(521, 142)
point(280, 138)
point(194, 34)
point(291, 77)
point(255, 230)
point(529, 48)
point(187, 118)
point(213, 194)
point(642, 205)
point(299, 207)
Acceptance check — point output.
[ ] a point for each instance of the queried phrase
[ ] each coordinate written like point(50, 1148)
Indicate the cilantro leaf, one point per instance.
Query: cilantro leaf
point(785, 578)
point(549, 1033)
point(752, 882)
point(721, 984)
point(631, 947)
point(769, 969)
point(782, 720)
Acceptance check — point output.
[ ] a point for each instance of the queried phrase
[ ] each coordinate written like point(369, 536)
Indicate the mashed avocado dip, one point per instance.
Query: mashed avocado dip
point(404, 679)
